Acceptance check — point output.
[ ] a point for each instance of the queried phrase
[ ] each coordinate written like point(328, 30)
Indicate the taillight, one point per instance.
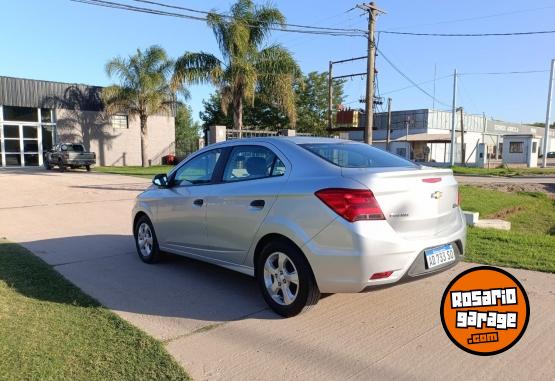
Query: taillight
point(352, 204)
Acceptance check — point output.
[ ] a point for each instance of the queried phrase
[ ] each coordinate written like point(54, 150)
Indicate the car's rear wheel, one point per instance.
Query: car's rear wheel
point(88, 168)
point(145, 241)
point(285, 279)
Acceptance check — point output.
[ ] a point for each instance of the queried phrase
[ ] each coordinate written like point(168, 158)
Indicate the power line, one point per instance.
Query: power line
point(468, 34)
point(476, 17)
point(408, 78)
point(506, 72)
point(306, 29)
point(228, 16)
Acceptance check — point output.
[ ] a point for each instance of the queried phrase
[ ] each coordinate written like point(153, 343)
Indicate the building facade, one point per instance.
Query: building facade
point(425, 135)
point(35, 115)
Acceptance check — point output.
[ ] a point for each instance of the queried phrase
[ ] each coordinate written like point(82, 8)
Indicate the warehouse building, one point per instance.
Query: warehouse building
point(425, 135)
point(36, 115)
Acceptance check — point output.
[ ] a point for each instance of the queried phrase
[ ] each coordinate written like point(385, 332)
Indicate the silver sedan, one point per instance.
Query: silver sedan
point(304, 216)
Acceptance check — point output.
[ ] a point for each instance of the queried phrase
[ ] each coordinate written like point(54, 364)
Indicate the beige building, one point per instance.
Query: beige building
point(35, 115)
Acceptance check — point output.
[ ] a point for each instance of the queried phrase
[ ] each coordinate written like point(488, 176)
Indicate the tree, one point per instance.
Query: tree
point(143, 88)
point(186, 130)
point(312, 102)
point(246, 69)
point(261, 115)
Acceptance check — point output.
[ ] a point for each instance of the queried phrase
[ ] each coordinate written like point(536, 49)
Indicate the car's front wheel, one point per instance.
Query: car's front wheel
point(285, 279)
point(145, 241)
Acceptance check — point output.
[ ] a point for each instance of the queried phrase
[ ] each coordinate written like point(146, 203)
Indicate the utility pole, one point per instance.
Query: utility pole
point(373, 12)
point(330, 95)
point(463, 150)
point(388, 139)
point(453, 119)
point(546, 136)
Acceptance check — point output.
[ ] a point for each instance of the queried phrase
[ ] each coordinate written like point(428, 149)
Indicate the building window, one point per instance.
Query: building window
point(516, 147)
point(21, 114)
point(119, 122)
point(534, 147)
point(46, 115)
point(401, 152)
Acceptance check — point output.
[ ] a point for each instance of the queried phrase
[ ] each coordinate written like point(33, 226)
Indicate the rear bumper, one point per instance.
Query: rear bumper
point(81, 162)
point(344, 255)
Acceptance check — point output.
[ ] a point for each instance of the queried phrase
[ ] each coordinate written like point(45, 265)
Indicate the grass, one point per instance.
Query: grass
point(49, 329)
point(511, 249)
point(138, 171)
point(503, 171)
point(531, 242)
point(528, 212)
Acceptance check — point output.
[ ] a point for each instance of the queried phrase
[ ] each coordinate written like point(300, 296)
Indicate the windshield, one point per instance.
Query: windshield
point(356, 155)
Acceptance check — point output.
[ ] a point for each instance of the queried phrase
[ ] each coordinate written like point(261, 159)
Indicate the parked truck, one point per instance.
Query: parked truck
point(69, 155)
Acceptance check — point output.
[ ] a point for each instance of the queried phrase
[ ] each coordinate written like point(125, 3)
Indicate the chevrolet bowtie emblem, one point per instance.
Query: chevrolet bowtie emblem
point(437, 195)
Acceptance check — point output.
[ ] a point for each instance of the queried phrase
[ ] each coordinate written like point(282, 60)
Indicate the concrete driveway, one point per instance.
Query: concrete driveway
point(215, 323)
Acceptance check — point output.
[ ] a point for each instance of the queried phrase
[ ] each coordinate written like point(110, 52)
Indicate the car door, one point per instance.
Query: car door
point(237, 205)
point(181, 211)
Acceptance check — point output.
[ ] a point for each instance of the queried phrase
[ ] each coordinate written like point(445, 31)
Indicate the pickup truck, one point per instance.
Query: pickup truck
point(69, 155)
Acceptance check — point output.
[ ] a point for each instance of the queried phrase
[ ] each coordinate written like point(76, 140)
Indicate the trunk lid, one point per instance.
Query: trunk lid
point(415, 201)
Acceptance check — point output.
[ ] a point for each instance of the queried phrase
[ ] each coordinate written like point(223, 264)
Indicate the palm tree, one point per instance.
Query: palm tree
point(246, 68)
point(144, 88)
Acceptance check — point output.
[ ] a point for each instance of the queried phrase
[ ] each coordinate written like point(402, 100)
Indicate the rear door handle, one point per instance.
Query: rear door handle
point(258, 203)
point(198, 202)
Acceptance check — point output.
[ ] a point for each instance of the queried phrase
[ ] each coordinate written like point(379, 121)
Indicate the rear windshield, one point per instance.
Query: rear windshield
point(356, 155)
point(73, 147)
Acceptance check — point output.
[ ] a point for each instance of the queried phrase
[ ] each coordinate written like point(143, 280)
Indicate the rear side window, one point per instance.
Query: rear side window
point(356, 155)
point(252, 162)
point(73, 147)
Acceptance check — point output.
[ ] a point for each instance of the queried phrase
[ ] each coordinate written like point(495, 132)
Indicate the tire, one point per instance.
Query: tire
point(88, 168)
point(61, 166)
point(271, 275)
point(148, 252)
point(47, 165)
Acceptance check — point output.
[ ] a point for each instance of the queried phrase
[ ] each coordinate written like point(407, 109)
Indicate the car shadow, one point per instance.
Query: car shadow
point(107, 268)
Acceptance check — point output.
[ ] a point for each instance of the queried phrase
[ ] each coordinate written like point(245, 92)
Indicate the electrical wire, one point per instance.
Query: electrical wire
point(304, 28)
point(408, 78)
point(476, 17)
point(468, 34)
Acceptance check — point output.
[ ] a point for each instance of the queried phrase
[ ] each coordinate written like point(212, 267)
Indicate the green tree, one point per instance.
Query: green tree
point(312, 102)
point(186, 130)
point(261, 115)
point(246, 68)
point(143, 88)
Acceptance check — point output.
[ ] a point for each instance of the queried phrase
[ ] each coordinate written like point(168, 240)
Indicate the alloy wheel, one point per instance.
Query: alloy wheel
point(145, 239)
point(281, 278)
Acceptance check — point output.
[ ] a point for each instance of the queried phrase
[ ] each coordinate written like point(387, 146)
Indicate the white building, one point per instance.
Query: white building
point(425, 135)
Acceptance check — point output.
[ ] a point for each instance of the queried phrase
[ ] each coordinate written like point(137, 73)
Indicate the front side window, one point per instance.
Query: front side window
point(252, 162)
point(198, 170)
point(516, 147)
point(356, 155)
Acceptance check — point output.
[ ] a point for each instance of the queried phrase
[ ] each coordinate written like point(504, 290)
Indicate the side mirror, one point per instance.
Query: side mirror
point(160, 180)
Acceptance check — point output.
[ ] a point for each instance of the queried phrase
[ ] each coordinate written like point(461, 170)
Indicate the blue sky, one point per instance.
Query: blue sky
point(64, 41)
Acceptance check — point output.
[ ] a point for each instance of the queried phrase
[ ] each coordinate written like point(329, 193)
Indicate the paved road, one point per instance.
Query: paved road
point(215, 323)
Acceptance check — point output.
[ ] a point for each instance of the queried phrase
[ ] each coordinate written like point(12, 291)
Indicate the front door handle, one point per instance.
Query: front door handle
point(198, 202)
point(258, 203)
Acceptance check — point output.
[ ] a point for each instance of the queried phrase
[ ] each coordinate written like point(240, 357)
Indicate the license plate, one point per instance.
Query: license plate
point(439, 256)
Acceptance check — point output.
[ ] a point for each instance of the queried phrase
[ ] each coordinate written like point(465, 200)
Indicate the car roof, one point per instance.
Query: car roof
point(278, 140)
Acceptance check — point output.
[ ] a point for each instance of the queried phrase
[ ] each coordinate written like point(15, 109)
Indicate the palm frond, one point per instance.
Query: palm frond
point(196, 68)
